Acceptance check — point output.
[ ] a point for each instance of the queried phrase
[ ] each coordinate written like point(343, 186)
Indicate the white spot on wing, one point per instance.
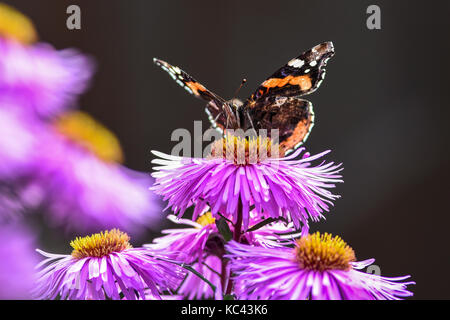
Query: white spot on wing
point(296, 63)
point(280, 101)
point(188, 89)
point(176, 70)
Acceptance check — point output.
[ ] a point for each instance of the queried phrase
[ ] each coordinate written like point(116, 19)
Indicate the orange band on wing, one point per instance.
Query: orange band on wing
point(304, 82)
point(297, 136)
point(195, 87)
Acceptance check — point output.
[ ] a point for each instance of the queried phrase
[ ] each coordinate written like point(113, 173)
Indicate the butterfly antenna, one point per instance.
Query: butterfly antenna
point(239, 89)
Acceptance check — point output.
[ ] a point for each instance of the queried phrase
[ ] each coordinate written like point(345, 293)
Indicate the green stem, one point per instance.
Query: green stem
point(225, 217)
point(261, 224)
point(237, 238)
point(211, 269)
point(198, 274)
point(238, 225)
point(223, 276)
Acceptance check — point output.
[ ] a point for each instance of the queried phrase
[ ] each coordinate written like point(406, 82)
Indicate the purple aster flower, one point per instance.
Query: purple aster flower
point(203, 238)
point(202, 247)
point(187, 244)
point(320, 267)
point(106, 266)
point(17, 261)
point(274, 234)
point(39, 78)
point(79, 181)
point(193, 287)
point(275, 187)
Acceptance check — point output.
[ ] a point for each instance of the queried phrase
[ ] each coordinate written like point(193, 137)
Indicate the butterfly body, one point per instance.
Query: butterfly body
point(275, 104)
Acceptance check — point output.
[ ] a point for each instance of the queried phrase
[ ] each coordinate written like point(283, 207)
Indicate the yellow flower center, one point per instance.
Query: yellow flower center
point(243, 151)
point(14, 24)
point(206, 219)
point(322, 252)
point(100, 244)
point(85, 131)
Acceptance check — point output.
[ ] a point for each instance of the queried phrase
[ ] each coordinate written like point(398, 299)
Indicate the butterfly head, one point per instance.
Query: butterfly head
point(235, 103)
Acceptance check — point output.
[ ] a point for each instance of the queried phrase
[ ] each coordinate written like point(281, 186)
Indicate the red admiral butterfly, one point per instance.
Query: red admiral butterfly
point(274, 105)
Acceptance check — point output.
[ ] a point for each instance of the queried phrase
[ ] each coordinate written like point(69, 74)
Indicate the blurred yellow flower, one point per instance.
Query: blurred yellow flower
point(83, 130)
point(14, 24)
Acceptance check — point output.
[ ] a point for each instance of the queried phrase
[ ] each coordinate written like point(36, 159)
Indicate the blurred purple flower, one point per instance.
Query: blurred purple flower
point(41, 80)
point(44, 166)
point(319, 268)
point(105, 266)
point(17, 261)
point(11, 206)
point(17, 143)
point(275, 187)
point(83, 192)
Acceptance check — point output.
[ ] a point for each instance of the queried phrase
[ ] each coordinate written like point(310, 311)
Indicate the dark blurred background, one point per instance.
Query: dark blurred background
point(383, 108)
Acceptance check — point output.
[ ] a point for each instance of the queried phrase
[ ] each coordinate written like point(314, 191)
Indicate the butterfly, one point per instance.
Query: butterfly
point(275, 104)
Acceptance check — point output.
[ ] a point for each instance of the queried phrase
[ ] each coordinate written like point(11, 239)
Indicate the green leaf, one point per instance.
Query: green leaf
point(224, 229)
point(228, 297)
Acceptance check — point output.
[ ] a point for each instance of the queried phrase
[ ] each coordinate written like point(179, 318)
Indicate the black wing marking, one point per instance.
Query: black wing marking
point(292, 116)
point(219, 112)
point(300, 76)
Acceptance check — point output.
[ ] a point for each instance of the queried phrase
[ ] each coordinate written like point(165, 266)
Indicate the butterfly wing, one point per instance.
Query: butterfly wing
point(292, 116)
point(276, 104)
point(216, 105)
point(300, 76)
